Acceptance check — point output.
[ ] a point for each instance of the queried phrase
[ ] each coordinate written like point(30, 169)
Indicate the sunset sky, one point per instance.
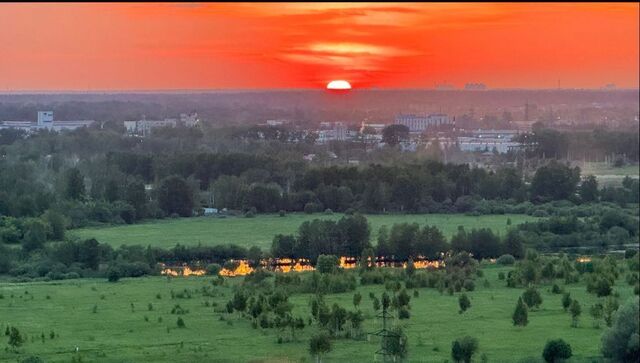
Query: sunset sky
point(239, 46)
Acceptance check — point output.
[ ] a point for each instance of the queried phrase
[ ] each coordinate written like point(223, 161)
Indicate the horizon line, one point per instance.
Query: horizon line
point(232, 90)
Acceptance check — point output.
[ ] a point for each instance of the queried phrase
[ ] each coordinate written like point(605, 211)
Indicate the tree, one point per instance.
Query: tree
point(393, 134)
point(513, 244)
point(319, 345)
point(589, 189)
point(532, 297)
point(15, 338)
point(283, 246)
point(521, 314)
point(611, 305)
point(566, 301)
point(180, 323)
point(327, 263)
point(35, 235)
point(596, 311)
point(357, 298)
point(556, 350)
point(554, 182)
point(621, 342)
point(175, 196)
point(74, 186)
point(575, 309)
point(57, 225)
point(136, 196)
point(113, 275)
point(239, 301)
point(464, 303)
point(463, 349)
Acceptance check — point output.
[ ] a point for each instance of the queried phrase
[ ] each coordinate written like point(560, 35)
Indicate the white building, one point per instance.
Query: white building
point(45, 121)
point(189, 120)
point(143, 127)
point(417, 123)
point(489, 140)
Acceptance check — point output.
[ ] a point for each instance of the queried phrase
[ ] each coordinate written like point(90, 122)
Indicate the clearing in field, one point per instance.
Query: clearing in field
point(259, 231)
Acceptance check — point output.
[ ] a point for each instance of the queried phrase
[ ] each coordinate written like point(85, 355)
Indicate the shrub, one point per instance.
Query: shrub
point(328, 211)
point(506, 260)
point(180, 323)
point(213, 269)
point(113, 275)
point(620, 342)
point(463, 349)
point(327, 263)
point(282, 213)
point(464, 303)
point(500, 275)
point(521, 314)
point(469, 285)
point(556, 350)
point(532, 297)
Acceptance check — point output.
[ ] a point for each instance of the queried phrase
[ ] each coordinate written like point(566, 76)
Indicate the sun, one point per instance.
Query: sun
point(339, 84)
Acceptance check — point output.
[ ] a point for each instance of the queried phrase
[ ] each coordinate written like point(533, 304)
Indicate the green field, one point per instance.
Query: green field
point(116, 332)
point(608, 174)
point(259, 231)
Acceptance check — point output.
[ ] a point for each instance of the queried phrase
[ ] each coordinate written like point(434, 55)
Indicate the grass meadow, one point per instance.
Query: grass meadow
point(259, 230)
point(112, 322)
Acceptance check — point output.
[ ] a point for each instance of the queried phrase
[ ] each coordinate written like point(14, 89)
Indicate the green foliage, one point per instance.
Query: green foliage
point(521, 313)
point(463, 349)
point(575, 310)
point(556, 350)
point(621, 342)
point(464, 303)
point(327, 264)
point(319, 345)
point(532, 297)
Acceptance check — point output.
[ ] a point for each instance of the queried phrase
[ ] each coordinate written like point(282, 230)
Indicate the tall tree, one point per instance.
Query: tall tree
point(74, 186)
point(175, 196)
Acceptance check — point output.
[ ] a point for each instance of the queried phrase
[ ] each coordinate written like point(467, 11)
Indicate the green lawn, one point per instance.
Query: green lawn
point(609, 175)
point(116, 332)
point(259, 231)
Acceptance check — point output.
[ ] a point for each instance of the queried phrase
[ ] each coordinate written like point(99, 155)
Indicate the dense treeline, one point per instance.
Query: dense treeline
point(595, 145)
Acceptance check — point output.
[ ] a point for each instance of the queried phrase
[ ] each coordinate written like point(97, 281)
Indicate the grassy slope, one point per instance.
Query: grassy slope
point(259, 231)
point(116, 334)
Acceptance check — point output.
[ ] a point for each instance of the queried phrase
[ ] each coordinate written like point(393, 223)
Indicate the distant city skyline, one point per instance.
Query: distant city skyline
point(224, 46)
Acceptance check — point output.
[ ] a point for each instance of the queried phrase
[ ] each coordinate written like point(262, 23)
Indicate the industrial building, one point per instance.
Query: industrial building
point(143, 127)
point(417, 123)
point(45, 121)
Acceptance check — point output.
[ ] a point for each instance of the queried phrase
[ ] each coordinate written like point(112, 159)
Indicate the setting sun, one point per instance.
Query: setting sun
point(339, 85)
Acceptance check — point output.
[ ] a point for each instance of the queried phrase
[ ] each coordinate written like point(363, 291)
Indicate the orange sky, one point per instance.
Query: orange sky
point(220, 46)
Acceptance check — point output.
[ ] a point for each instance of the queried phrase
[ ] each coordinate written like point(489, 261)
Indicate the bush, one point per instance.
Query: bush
point(213, 269)
point(327, 263)
point(463, 349)
point(113, 275)
point(328, 211)
point(556, 350)
point(506, 260)
point(500, 275)
point(282, 213)
point(180, 323)
point(620, 342)
point(310, 208)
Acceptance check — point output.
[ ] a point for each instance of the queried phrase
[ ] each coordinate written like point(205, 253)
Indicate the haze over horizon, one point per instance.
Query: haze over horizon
point(208, 47)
